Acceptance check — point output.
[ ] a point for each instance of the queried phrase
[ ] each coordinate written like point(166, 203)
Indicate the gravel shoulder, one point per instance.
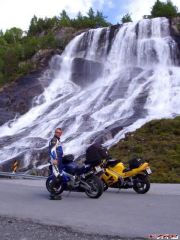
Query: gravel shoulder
point(17, 229)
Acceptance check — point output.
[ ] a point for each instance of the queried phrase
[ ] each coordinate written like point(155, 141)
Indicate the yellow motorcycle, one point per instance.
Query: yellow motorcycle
point(116, 175)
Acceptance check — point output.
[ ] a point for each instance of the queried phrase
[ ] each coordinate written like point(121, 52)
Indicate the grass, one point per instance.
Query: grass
point(157, 142)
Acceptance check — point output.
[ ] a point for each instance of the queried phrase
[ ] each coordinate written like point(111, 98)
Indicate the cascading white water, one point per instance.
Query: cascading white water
point(139, 81)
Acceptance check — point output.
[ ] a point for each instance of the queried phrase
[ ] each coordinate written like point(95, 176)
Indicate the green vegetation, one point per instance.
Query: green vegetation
point(163, 9)
point(158, 142)
point(126, 18)
point(92, 20)
point(18, 47)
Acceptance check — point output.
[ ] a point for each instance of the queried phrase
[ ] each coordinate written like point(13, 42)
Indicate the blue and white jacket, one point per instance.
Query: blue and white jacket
point(56, 151)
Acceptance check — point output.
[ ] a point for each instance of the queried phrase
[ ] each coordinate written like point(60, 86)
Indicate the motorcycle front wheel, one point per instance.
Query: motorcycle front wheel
point(141, 184)
point(96, 187)
point(55, 188)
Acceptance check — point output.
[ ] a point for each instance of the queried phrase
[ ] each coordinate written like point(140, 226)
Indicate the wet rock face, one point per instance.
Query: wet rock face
point(175, 26)
point(107, 35)
point(175, 33)
point(16, 99)
point(64, 33)
point(43, 56)
point(113, 31)
point(85, 71)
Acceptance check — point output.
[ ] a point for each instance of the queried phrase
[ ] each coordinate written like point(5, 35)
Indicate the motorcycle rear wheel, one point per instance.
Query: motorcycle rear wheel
point(141, 184)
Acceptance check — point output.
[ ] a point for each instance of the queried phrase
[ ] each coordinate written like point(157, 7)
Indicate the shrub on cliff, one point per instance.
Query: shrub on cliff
point(164, 9)
point(126, 18)
point(15, 49)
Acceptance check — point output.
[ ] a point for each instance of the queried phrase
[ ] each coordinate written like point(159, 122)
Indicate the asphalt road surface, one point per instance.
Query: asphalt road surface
point(124, 213)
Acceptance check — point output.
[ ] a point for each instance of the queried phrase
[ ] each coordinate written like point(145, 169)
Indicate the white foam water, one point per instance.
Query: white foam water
point(140, 81)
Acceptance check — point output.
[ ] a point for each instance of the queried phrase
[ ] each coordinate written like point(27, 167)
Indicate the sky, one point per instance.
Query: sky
point(18, 13)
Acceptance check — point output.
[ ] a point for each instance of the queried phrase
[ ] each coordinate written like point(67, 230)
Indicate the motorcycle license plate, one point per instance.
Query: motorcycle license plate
point(98, 169)
point(148, 170)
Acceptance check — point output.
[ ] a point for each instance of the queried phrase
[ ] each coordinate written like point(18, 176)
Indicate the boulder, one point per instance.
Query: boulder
point(85, 71)
point(64, 33)
point(42, 57)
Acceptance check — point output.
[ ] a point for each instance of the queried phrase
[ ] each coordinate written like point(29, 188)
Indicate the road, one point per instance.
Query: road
point(117, 213)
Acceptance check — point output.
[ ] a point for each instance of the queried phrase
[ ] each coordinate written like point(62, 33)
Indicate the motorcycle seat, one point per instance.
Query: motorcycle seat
point(112, 162)
point(126, 170)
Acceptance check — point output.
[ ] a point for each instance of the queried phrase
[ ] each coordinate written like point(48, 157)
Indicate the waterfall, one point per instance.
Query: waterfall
point(107, 82)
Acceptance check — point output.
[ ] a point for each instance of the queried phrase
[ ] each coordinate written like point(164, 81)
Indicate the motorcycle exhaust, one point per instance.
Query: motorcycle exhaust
point(84, 185)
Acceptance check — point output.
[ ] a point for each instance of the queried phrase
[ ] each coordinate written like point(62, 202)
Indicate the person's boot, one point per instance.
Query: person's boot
point(55, 197)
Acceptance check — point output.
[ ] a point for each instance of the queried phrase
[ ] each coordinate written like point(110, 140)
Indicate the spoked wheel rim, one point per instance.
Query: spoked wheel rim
point(142, 185)
point(94, 188)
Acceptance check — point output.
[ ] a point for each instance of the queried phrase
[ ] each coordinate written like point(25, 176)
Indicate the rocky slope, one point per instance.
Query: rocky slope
point(16, 98)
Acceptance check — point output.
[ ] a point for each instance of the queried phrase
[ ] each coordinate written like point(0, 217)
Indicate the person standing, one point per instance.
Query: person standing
point(56, 153)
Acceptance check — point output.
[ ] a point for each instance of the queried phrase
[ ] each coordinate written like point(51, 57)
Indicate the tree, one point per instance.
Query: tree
point(79, 16)
point(33, 26)
point(1, 65)
point(126, 18)
point(11, 61)
point(64, 19)
point(164, 9)
point(39, 25)
point(2, 41)
point(78, 22)
point(13, 35)
point(91, 13)
point(48, 41)
point(101, 19)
